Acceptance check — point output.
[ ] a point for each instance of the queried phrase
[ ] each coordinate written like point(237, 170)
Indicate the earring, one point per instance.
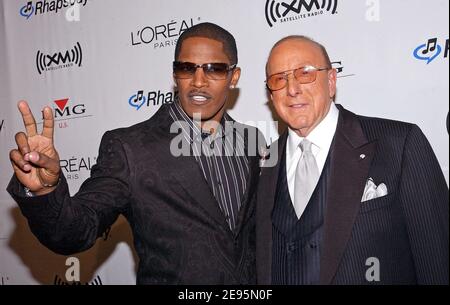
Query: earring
point(232, 87)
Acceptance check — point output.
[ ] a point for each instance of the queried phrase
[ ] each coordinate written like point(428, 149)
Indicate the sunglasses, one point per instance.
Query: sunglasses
point(303, 75)
point(213, 71)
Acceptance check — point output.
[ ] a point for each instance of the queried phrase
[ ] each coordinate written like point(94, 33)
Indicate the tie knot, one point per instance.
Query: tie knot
point(305, 146)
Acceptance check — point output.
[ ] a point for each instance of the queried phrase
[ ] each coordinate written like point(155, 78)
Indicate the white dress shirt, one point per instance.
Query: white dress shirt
point(321, 138)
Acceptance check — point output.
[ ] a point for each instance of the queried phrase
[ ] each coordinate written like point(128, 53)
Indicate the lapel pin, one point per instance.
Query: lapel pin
point(362, 157)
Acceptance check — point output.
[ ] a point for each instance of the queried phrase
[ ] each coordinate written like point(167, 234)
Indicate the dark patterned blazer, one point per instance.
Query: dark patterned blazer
point(406, 231)
point(180, 234)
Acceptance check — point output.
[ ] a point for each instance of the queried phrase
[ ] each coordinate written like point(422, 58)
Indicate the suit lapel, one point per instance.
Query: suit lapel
point(187, 172)
point(252, 183)
point(190, 177)
point(265, 204)
point(351, 158)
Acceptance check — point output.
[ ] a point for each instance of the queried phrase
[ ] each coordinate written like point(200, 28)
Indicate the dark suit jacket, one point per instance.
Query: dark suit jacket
point(407, 231)
point(180, 234)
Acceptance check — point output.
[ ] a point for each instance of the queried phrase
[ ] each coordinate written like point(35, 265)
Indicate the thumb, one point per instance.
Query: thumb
point(51, 166)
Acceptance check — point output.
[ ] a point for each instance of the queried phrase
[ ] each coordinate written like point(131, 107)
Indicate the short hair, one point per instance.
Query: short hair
point(214, 32)
point(307, 39)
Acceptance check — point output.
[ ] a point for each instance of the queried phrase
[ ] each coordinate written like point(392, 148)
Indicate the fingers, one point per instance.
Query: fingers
point(22, 143)
point(40, 160)
point(28, 118)
point(49, 123)
point(18, 161)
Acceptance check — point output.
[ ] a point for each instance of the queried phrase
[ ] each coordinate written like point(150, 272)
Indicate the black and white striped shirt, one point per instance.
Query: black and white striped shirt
point(222, 159)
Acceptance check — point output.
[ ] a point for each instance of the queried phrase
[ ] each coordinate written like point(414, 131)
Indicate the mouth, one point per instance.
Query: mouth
point(298, 106)
point(199, 98)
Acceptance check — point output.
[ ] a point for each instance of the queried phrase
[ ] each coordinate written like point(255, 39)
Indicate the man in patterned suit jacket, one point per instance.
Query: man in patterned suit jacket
point(192, 214)
point(352, 200)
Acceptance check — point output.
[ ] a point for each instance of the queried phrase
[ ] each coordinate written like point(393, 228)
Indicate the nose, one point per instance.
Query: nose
point(199, 80)
point(293, 86)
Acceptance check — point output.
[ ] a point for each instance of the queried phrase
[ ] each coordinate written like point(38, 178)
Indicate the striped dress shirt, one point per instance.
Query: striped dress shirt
point(221, 158)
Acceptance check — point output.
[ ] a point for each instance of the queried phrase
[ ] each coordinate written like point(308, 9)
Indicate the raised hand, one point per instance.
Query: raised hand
point(36, 161)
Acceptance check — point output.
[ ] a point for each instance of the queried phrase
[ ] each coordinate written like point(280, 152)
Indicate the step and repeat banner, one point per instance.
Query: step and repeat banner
point(104, 64)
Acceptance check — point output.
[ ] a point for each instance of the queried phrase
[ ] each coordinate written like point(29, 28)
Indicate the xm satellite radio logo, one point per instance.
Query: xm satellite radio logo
point(59, 60)
point(431, 50)
point(161, 35)
point(291, 10)
point(43, 7)
point(153, 98)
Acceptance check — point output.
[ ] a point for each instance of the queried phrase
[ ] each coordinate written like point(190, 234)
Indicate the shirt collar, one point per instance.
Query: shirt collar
point(321, 137)
point(195, 130)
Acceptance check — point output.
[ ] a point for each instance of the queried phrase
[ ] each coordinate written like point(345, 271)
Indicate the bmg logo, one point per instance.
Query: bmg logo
point(283, 11)
point(431, 50)
point(56, 61)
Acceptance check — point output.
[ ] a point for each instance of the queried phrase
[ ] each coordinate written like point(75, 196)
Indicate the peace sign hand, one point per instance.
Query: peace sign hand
point(36, 161)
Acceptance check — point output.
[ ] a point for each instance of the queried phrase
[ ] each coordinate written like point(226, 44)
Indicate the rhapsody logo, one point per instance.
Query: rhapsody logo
point(291, 10)
point(28, 10)
point(155, 98)
point(431, 50)
point(57, 61)
point(162, 35)
point(44, 7)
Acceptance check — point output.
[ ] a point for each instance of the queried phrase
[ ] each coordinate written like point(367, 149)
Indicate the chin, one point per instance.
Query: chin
point(298, 124)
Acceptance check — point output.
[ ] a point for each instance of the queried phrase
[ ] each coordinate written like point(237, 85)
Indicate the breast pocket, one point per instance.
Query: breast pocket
point(377, 204)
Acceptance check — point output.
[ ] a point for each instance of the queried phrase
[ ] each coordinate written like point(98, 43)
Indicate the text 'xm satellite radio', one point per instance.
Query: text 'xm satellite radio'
point(59, 60)
point(291, 10)
point(48, 6)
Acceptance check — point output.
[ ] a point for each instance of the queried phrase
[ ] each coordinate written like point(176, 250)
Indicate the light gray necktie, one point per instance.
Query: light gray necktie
point(306, 178)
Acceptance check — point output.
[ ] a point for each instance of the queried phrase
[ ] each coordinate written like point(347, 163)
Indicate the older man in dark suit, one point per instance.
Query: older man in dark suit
point(191, 210)
point(352, 200)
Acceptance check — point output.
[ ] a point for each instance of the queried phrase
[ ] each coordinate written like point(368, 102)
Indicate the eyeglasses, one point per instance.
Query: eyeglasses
point(303, 75)
point(213, 71)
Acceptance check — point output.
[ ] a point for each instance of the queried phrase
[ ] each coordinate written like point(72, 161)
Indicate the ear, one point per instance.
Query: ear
point(332, 81)
point(235, 77)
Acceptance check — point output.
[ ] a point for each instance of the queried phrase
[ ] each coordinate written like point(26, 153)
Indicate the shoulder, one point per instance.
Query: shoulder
point(146, 129)
point(376, 128)
point(389, 134)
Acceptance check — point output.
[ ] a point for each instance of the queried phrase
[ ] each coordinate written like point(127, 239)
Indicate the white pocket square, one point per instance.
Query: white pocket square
point(373, 192)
